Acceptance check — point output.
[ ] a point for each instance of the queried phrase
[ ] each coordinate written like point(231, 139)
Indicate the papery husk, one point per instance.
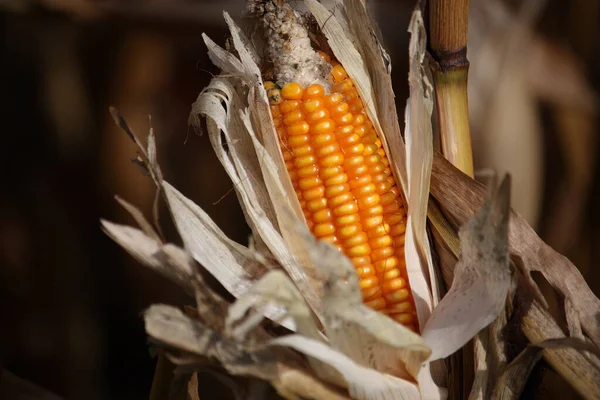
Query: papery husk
point(176, 333)
point(367, 337)
point(270, 359)
point(222, 105)
point(419, 143)
point(363, 383)
point(232, 264)
point(330, 362)
point(227, 260)
point(458, 195)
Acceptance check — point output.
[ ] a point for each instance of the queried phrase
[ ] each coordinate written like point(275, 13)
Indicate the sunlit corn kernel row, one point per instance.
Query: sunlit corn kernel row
point(342, 178)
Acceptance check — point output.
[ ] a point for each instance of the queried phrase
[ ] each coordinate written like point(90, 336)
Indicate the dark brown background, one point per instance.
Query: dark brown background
point(70, 299)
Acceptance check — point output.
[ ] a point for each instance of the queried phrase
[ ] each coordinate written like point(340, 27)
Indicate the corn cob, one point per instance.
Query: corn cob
point(343, 181)
point(335, 160)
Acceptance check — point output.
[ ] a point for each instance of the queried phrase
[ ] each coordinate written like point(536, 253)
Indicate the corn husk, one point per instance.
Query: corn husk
point(340, 348)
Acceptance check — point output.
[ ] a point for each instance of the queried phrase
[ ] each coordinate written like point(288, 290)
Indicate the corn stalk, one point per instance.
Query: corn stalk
point(448, 28)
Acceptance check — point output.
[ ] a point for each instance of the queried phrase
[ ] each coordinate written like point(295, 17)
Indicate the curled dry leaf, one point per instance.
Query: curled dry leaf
point(166, 259)
point(272, 360)
point(481, 279)
point(173, 328)
point(277, 289)
point(221, 256)
point(459, 196)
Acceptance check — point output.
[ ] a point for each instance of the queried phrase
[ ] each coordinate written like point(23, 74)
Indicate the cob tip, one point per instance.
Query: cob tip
point(288, 44)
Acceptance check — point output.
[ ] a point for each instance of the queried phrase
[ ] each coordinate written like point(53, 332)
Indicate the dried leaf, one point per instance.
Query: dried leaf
point(460, 195)
point(139, 218)
point(293, 256)
point(512, 381)
point(172, 327)
point(271, 362)
point(481, 279)
point(573, 322)
point(168, 260)
point(581, 370)
point(571, 343)
point(255, 174)
point(223, 258)
point(277, 289)
point(535, 322)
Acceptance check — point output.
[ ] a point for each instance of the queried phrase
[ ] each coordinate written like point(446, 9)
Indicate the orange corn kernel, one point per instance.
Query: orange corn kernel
point(343, 181)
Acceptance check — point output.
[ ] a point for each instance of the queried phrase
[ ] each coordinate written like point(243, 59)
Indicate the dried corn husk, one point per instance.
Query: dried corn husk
point(351, 350)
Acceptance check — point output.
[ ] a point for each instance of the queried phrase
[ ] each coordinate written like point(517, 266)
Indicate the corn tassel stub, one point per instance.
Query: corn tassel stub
point(346, 189)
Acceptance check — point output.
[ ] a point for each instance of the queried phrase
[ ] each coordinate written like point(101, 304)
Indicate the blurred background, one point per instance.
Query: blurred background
point(70, 299)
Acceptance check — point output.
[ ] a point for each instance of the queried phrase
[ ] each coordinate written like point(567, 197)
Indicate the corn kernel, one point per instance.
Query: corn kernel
point(345, 186)
point(292, 91)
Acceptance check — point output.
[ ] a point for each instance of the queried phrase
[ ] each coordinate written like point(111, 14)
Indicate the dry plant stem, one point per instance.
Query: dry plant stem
point(453, 117)
point(577, 369)
point(448, 28)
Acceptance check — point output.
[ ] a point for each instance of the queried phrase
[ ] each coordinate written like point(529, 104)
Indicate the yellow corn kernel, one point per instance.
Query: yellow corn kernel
point(342, 178)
